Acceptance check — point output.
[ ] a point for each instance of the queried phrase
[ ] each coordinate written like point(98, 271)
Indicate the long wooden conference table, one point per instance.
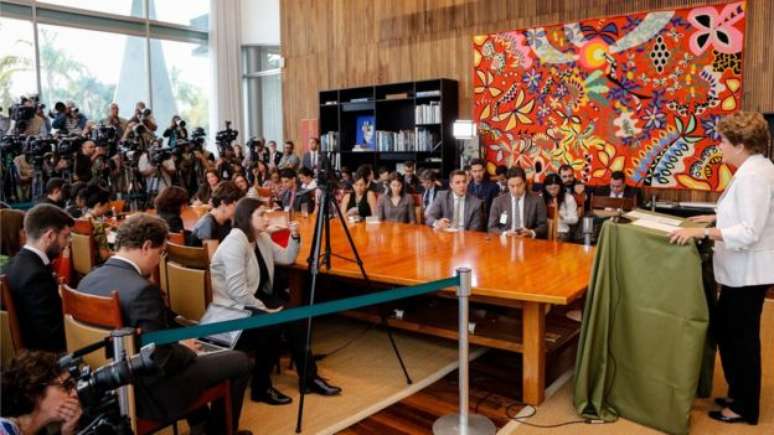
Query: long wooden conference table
point(507, 271)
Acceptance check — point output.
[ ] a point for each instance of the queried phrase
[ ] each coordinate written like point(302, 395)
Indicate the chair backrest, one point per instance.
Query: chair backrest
point(83, 249)
point(598, 202)
point(188, 284)
point(189, 256)
point(188, 289)
point(88, 319)
point(552, 222)
point(10, 334)
point(281, 237)
point(264, 192)
point(178, 238)
point(419, 210)
point(118, 205)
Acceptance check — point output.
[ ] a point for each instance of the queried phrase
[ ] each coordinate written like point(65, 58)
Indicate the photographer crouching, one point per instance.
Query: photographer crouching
point(37, 393)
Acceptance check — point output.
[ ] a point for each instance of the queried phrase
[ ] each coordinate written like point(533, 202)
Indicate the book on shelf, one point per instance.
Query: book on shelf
point(417, 140)
point(330, 103)
point(428, 113)
point(329, 142)
point(433, 93)
point(359, 100)
point(400, 96)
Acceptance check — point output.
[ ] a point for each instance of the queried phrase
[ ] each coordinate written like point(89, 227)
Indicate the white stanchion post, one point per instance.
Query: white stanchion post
point(119, 353)
point(464, 423)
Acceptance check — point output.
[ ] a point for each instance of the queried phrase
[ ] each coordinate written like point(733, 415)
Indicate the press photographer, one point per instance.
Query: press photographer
point(113, 120)
point(228, 165)
point(143, 115)
point(84, 159)
point(25, 119)
point(157, 165)
point(68, 119)
point(176, 132)
point(192, 161)
point(37, 393)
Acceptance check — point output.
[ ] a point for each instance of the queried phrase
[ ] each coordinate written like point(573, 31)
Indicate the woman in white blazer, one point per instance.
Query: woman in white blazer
point(743, 260)
point(242, 271)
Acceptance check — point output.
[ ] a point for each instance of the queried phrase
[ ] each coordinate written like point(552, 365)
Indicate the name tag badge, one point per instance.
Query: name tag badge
point(504, 218)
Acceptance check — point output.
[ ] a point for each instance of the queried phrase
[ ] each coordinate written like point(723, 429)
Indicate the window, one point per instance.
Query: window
point(262, 92)
point(194, 14)
point(17, 61)
point(92, 69)
point(132, 8)
point(180, 77)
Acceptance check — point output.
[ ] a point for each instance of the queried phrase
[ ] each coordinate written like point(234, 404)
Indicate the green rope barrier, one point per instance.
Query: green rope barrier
point(173, 335)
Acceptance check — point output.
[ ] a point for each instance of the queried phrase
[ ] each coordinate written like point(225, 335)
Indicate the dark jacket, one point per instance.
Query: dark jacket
point(629, 192)
point(534, 214)
point(141, 306)
point(35, 293)
point(487, 191)
point(443, 207)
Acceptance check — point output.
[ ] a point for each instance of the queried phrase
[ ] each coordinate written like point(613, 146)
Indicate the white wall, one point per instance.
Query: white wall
point(260, 22)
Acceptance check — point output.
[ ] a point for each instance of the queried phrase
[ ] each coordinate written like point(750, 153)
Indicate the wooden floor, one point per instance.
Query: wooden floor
point(493, 388)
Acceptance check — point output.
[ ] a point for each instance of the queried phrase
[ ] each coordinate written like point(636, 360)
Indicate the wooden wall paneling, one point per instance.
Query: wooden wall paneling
point(329, 44)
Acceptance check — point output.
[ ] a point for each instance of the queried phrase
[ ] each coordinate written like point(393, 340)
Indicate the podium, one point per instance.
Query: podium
point(644, 344)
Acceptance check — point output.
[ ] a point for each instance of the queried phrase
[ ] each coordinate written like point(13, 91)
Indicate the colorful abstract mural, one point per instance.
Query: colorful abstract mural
point(641, 93)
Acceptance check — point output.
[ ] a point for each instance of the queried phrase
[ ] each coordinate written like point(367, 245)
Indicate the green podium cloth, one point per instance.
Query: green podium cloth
point(644, 332)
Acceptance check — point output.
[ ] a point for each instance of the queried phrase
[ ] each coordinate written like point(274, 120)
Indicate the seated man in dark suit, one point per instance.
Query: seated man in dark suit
point(456, 208)
point(34, 287)
point(480, 186)
point(292, 196)
point(182, 375)
point(519, 212)
point(55, 192)
point(619, 189)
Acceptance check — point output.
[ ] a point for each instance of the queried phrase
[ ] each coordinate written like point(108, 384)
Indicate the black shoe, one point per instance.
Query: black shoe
point(319, 386)
point(718, 415)
point(272, 396)
point(724, 402)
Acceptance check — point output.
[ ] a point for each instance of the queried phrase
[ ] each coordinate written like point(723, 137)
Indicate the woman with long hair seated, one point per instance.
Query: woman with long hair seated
point(565, 208)
point(97, 206)
point(242, 270)
point(396, 205)
point(37, 393)
point(361, 201)
point(169, 206)
point(211, 179)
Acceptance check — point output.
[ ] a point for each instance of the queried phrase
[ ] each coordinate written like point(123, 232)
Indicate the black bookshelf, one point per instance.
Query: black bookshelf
point(412, 121)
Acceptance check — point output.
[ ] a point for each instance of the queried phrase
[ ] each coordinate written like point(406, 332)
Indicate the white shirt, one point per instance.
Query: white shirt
point(313, 159)
point(568, 213)
point(309, 186)
point(43, 257)
point(745, 218)
point(126, 260)
point(616, 195)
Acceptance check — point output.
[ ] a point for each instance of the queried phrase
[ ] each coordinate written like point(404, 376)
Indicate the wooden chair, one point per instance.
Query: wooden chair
point(91, 318)
point(10, 334)
point(82, 247)
point(188, 282)
point(281, 237)
point(178, 238)
point(264, 192)
point(552, 222)
point(118, 205)
point(419, 211)
point(603, 202)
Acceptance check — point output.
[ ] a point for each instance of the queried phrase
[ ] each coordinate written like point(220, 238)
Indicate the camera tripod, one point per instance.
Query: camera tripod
point(319, 257)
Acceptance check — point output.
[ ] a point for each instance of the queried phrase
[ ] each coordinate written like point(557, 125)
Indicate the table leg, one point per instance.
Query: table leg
point(534, 352)
point(296, 284)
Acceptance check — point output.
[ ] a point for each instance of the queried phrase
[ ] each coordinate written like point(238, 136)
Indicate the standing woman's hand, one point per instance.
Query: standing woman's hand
point(703, 219)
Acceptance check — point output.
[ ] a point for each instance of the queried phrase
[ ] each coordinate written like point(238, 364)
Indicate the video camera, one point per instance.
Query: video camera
point(225, 137)
point(96, 388)
point(36, 148)
point(105, 136)
point(11, 145)
point(22, 112)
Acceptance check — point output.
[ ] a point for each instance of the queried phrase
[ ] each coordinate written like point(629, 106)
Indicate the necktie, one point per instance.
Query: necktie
point(516, 216)
point(456, 221)
point(314, 160)
point(426, 199)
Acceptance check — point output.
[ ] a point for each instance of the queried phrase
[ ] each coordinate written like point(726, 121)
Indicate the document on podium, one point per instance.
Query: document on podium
point(654, 222)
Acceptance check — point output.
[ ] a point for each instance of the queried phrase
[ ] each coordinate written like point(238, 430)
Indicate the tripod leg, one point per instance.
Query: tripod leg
point(370, 287)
